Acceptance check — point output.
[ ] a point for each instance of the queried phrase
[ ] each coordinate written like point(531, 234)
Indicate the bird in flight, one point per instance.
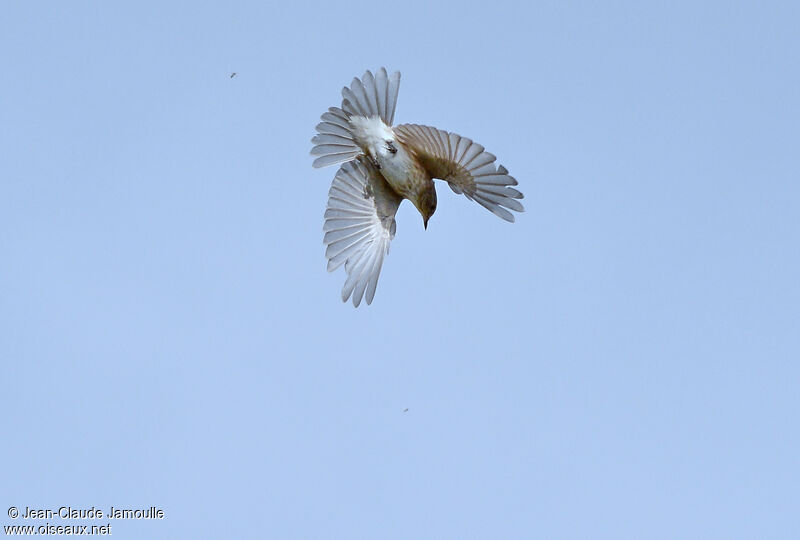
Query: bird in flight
point(384, 164)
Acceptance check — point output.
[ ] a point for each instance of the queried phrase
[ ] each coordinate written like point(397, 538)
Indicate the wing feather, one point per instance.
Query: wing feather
point(359, 225)
point(465, 165)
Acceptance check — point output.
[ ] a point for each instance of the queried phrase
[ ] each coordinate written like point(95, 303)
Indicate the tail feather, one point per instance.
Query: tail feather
point(373, 95)
point(369, 96)
point(334, 142)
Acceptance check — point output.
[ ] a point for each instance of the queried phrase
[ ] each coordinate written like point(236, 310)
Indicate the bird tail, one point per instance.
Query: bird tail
point(369, 96)
point(334, 142)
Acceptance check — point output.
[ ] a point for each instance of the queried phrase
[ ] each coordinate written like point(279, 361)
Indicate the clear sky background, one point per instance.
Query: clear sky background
point(621, 363)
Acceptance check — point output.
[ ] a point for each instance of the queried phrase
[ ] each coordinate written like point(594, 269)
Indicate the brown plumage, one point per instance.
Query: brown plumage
point(384, 165)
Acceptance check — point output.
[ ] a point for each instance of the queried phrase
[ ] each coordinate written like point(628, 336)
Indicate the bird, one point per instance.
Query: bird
point(381, 165)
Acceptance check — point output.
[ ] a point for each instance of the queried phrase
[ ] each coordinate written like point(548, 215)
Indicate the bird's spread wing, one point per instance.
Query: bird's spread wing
point(465, 165)
point(359, 225)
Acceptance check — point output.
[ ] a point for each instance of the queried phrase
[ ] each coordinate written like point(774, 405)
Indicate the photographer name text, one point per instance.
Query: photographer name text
point(68, 512)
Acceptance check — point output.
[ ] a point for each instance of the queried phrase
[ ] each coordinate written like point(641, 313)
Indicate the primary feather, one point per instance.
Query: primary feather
point(359, 225)
point(465, 166)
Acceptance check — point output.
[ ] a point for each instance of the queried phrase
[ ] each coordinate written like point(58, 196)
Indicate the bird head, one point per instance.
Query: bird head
point(426, 203)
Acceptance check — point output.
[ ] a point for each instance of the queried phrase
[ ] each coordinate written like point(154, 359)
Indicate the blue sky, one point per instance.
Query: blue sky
point(620, 363)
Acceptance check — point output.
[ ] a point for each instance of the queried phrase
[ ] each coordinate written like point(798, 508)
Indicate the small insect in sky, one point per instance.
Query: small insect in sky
point(233, 75)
